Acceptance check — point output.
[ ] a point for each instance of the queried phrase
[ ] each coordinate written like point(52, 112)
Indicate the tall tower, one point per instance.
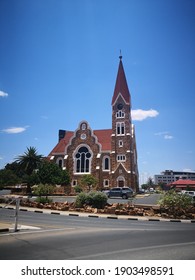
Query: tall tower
point(123, 148)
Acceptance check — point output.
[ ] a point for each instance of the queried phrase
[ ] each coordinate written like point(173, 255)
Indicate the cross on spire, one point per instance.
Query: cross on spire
point(120, 56)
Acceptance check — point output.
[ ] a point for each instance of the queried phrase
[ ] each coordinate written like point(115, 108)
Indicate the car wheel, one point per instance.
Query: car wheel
point(124, 196)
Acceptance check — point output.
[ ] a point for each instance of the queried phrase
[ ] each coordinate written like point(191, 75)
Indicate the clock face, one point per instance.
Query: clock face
point(83, 136)
point(120, 106)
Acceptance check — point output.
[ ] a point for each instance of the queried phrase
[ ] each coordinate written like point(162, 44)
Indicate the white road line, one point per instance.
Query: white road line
point(133, 250)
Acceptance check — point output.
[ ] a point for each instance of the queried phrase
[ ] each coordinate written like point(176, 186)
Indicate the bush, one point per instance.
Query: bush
point(97, 199)
point(78, 189)
point(43, 200)
point(81, 199)
point(94, 199)
point(175, 201)
point(42, 189)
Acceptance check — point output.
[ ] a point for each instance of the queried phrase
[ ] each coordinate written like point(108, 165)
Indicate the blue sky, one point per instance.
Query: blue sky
point(58, 66)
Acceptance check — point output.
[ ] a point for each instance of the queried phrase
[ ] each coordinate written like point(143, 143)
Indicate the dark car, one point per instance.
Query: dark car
point(124, 193)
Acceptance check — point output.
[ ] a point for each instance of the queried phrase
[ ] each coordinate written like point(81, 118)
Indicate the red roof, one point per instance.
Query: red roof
point(183, 182)
point(121, 85)
point(103, 136)
point(60, 147)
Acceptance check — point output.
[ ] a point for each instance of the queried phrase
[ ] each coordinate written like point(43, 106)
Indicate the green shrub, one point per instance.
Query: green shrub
point(43, 200)
point(94, 199)
point(81, 199)
point(97, 199)
point(78, 189)
point(175, 201)
point(44, 189)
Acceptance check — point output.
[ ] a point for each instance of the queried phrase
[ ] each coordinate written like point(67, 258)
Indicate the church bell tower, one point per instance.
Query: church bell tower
point(122, 141)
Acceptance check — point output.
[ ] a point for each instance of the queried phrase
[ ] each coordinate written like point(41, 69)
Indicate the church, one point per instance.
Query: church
point(110, 155)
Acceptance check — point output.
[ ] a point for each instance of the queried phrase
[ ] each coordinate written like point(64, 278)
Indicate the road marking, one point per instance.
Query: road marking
point(24, 227)
point(36, 231)
point(133, 250)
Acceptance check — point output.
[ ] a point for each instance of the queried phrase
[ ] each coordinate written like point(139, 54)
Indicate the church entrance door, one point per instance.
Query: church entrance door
point(121, 183)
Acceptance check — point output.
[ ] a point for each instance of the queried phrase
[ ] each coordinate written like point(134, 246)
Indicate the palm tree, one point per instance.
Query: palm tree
point(28, 163)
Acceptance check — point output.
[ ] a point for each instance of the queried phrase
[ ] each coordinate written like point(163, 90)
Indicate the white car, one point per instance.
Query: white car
point(190, 193)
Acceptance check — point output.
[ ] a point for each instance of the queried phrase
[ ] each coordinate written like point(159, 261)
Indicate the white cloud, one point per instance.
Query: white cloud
point(15, 130)
point(166, 135)
point(3, 94)
point(161, 133)
point(140, 115)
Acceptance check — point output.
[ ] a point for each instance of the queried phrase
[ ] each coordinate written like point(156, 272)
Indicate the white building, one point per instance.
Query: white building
point(169, 176)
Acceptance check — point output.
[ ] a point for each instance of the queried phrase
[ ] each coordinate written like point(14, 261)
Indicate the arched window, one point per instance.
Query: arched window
point(83, 160)
point(60, 162)
point(120, 128)
point(106, 163)
point(120, 114)
point(83, 126)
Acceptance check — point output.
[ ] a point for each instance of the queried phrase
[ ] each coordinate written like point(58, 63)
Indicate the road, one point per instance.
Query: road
point(139, 199)
point(66, 237)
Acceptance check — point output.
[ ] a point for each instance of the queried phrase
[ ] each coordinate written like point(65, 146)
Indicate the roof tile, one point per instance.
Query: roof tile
point(103, 136)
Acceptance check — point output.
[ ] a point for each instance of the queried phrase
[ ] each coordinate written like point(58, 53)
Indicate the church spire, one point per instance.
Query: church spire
point(121, 84)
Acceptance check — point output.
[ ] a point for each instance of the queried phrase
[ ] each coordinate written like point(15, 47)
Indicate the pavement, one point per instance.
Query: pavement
point(6, 227)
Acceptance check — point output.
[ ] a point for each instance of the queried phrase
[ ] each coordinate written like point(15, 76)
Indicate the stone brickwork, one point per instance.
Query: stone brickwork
point(84, 150)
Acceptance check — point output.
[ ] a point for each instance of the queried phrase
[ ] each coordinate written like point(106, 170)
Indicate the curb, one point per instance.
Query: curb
point(113, 217)
point(4, 229)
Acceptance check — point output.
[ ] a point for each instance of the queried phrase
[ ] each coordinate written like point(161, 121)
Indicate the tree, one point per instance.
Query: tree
point(89, 181)
point(150, 182)
point(15, 168)
point(144, 186)
point(8, 178)
point(51, 173)
point(29, 162)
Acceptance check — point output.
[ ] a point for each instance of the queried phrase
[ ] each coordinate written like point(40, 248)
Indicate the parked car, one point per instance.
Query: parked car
point(141, 191)
point(190, 193)
point(124, 192)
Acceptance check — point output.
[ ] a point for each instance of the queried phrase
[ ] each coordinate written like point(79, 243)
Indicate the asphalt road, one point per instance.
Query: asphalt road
point(64, 237)
point(139, 199)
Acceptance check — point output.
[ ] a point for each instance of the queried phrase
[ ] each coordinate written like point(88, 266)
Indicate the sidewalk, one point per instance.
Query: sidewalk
point(4, 227)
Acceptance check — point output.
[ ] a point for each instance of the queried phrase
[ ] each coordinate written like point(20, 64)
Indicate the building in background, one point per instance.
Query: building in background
point(185, 184)
point(108, 154)
point(169, 176)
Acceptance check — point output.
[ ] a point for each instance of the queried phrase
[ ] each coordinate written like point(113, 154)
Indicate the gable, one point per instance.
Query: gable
point(103, 137)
